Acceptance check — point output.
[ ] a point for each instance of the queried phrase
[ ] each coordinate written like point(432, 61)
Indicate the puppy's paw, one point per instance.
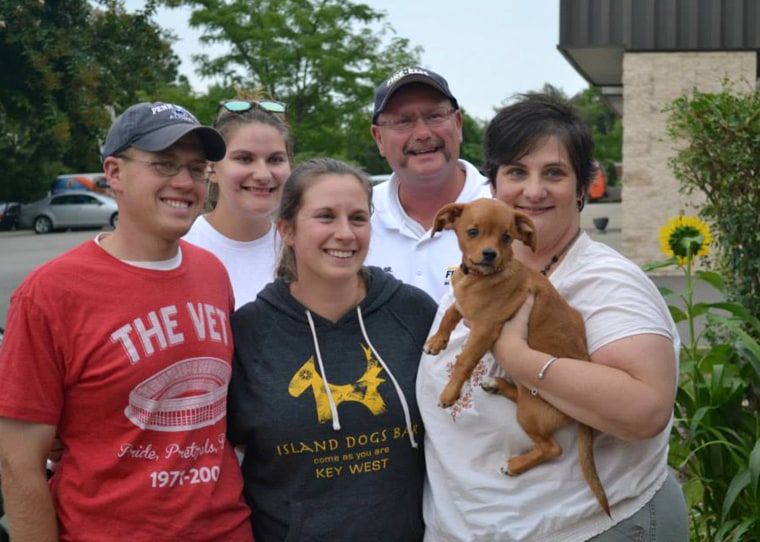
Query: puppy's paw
point(445, 403)
point(505, 470)
point(435, 344)
point(449, 396)
point(489, 384)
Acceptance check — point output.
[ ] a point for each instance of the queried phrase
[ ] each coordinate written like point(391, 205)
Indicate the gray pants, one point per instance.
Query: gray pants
point(662, 519)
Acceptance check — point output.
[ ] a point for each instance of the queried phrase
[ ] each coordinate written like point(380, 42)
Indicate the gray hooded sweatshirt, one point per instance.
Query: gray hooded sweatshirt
point(328, 414)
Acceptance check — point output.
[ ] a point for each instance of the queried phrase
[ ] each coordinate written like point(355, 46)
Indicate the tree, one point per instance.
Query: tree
point(719, 156)
point(322, 57)
point(472, 139)
point(67, 68)
point(606, 129)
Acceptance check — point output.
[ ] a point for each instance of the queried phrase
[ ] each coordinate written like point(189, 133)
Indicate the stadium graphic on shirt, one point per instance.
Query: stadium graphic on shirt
point(187, 395)
point(363, 391)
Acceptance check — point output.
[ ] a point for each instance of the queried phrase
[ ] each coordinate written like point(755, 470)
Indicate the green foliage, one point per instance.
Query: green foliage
point(472, 139)
point(66, 68)
point(323, 58)
point(715, 442)
point(718, 135)
point(606, 129)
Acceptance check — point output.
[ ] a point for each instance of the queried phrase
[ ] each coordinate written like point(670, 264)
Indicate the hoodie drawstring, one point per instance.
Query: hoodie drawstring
point(399, 391)
point(331, 401)
point(333, 408)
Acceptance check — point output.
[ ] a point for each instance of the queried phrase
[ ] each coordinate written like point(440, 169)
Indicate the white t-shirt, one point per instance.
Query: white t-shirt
point(250, 264)
point(402, 247)
point(466, 497)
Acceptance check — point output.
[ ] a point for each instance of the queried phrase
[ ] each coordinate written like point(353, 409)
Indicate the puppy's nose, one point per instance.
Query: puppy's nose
point(489, 254)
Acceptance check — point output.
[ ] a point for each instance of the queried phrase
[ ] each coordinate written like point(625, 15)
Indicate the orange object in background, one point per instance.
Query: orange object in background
point(598, 188)
point(94, 182)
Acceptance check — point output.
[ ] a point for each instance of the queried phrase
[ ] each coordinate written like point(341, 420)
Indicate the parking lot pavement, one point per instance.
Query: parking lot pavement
point(22, 250)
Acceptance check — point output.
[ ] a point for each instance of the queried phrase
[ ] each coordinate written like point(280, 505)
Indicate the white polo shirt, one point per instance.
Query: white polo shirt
point(402, 247)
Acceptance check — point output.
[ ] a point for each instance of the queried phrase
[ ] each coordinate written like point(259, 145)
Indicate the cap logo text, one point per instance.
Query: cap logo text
point(177, 111)
point(403, 73)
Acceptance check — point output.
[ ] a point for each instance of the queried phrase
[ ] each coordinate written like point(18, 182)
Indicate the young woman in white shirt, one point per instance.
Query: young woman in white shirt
point(245, 189)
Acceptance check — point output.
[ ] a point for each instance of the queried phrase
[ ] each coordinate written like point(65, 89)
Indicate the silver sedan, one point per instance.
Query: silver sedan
point(69, 210)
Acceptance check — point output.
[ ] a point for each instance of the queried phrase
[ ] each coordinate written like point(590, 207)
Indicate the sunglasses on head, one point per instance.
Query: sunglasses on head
point(241, 106)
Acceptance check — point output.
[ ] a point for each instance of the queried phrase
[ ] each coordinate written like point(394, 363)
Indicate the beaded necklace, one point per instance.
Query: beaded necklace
point(559, 254)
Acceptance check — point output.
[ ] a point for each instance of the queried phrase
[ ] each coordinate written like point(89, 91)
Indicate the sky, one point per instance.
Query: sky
point(488, 50)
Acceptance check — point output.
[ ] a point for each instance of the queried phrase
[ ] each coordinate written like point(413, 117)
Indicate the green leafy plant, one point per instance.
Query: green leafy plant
point(718, 156)
point(715, 443)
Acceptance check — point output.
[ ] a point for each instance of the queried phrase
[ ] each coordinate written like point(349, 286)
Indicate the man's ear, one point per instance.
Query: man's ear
point(112, 170)
point(458, 119)
point(377, 136)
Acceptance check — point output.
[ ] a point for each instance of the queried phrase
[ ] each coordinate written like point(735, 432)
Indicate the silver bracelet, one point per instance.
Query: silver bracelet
point(542, 373)
point(545, 368)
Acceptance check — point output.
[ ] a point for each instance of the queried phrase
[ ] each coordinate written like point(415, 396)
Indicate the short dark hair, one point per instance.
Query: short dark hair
point(301, 178)
point(518, 128)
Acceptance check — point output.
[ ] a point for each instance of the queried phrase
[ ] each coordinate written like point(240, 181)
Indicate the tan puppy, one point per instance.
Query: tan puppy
point(490, 286)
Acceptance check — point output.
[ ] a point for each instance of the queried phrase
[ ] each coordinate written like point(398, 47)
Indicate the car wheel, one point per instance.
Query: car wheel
point(114, 219)
point(42, 224)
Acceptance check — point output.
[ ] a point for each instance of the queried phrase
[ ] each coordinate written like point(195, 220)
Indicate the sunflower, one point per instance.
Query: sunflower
point(685, 236)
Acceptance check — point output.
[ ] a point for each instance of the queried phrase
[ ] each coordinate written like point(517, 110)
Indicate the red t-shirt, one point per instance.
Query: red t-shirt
point(132, 366)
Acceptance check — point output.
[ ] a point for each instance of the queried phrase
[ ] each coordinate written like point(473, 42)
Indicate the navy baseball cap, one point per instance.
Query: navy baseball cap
point(405, 76)
point(156, 126)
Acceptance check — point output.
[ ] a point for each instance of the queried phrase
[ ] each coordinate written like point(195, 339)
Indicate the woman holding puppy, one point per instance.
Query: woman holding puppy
point(322, 390)
point(539, 159)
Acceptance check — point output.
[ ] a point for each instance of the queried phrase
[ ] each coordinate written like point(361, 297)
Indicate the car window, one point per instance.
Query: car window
point(63, 200)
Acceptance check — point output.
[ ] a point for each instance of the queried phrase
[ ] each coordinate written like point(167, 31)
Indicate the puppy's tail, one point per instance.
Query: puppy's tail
point(586, 457)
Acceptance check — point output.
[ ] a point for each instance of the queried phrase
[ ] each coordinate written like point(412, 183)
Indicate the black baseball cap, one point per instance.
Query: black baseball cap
point(405, 76)
point(157, 126)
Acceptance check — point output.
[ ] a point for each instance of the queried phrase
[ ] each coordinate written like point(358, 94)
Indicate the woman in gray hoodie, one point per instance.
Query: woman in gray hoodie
point(322, 393)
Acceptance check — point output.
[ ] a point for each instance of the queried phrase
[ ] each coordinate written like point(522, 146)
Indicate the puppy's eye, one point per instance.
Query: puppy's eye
point(472, 232)
point(505, 238)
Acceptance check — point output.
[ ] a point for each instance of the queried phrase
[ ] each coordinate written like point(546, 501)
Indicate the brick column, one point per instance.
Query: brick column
point(650, 82)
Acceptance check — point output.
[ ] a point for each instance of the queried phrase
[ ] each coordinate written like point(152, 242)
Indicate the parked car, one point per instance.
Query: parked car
point(9, 213)
point(69, 210)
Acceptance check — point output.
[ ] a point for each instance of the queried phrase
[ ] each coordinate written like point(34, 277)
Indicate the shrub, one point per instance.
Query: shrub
point(720, 158)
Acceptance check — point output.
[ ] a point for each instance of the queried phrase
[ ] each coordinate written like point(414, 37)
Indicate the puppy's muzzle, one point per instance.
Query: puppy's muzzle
point(489, 255)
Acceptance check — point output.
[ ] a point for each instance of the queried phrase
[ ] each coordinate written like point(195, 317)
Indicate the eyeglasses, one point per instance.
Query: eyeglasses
point(406, 124)
point(241, 106)
point(169, 168)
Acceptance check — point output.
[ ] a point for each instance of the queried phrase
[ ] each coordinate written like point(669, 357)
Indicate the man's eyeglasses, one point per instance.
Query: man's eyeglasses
point(169, 168)
point(241, 106)
point(406, 124)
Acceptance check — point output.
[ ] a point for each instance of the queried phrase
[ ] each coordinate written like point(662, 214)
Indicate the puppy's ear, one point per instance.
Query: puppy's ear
point(446, 217)
point(526, 230)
